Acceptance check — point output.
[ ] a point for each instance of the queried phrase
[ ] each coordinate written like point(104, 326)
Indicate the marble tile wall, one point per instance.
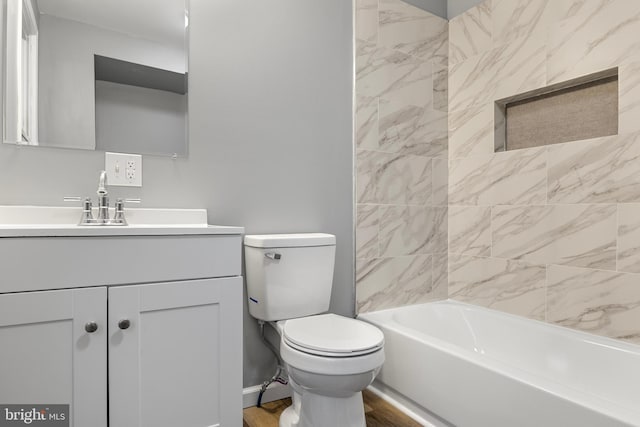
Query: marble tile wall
point(550, 233)
point(401, 155)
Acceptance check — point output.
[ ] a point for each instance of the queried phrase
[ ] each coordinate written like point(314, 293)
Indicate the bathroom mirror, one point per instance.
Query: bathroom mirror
point(96, 75)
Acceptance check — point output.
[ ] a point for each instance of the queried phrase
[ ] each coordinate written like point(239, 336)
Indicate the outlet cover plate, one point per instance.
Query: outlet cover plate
point(123, 169)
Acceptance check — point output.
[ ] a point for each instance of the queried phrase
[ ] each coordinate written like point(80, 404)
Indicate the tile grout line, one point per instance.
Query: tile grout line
point(617, 234)
point(546, 267)
point(546, 293)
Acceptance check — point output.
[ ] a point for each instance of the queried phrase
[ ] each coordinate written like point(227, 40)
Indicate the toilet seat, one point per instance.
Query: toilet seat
point(330, 335)
point(330, 366)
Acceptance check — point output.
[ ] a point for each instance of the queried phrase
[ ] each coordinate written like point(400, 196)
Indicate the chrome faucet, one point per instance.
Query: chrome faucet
point(103, 199)
point(103, 207)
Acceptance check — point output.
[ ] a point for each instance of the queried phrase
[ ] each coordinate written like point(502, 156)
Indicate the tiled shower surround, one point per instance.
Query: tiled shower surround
point(551, 233)
point(401, 152)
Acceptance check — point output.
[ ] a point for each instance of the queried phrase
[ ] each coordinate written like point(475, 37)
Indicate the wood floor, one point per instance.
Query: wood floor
point(378, 412)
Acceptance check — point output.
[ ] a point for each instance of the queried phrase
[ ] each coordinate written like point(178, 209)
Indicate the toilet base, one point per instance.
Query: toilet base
point(315, 410)
point(289, 418)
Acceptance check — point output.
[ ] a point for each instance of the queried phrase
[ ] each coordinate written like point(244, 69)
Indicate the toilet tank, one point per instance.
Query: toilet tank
point(289, 275)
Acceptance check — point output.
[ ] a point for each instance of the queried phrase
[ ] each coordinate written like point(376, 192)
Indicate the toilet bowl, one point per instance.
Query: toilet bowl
point(329, 358)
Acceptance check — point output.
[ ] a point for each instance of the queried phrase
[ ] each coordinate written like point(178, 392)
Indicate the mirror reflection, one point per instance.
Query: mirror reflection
point(97, 75)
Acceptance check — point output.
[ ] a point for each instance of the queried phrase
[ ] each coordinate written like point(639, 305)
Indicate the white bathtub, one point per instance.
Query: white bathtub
point(473, 367)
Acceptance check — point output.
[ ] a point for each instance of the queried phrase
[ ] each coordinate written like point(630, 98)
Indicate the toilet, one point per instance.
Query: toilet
point(330, 359)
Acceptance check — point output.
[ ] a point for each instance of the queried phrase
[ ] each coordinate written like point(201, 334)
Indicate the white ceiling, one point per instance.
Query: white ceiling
point(159, 20)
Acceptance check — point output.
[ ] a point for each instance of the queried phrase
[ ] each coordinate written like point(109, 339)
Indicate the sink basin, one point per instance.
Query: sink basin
point(53, 221)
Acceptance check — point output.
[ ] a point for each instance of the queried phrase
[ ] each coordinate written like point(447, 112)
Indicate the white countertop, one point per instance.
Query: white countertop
point(45, 221)
point(61, 230)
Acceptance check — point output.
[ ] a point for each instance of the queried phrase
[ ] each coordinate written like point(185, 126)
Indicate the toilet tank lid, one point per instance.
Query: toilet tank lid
point(289, 240)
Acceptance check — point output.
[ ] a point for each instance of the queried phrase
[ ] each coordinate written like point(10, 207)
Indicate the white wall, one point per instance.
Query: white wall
point(270, 124)
point(67, 75)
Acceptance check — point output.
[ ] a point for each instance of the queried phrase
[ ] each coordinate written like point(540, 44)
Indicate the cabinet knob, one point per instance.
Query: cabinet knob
point(124, 324)
point(91, 327)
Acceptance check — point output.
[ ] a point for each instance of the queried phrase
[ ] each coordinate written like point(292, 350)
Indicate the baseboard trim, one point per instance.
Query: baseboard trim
point(405, 406)
point(276, 391)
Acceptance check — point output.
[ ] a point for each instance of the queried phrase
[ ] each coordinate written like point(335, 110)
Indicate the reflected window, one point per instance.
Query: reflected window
point(21, 78)
point(29, 71)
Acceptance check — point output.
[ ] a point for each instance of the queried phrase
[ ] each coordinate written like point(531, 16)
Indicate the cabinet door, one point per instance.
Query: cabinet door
point(179, 360)
point(47, 356)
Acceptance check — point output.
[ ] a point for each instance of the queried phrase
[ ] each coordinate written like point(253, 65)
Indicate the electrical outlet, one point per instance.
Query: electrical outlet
point(123, 169)
point(130, 171)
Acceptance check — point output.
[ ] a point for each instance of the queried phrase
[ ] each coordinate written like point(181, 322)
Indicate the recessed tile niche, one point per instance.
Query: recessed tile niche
point(574, 110)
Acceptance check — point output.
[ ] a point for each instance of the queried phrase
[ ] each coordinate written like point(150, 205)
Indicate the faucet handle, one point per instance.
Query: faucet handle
point(86, 217)
point(120, 202)
point(118, 218)
point(87, 214)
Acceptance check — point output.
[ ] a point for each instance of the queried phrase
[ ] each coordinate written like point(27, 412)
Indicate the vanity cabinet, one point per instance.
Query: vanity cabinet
point(47, 357)
point(161, 354)
point(171, 365)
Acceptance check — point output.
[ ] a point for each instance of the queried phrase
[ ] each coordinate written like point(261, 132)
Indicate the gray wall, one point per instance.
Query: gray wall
point(456, 7)
point(444, 8)
point(152, 120)
point(437, 7)
point(270, 123)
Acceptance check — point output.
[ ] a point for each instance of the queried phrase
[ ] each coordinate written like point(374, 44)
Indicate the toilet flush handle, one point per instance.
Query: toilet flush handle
point(273, 255)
